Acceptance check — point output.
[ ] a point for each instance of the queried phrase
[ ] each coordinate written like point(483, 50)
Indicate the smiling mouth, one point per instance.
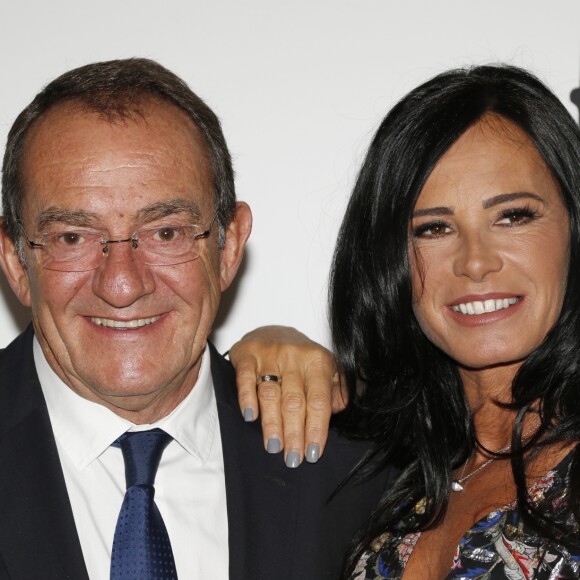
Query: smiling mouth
point(124, 324)
point(485, 306)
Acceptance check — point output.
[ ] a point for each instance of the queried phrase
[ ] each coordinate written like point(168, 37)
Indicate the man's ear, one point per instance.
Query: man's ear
point(13, 269)
point(237, 234)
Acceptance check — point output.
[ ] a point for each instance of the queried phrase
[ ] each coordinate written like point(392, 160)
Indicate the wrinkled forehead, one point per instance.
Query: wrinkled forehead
point(74, 157)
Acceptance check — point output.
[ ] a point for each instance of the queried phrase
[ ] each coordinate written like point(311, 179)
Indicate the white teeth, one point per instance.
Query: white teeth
point(478, 307)
point(136, 323)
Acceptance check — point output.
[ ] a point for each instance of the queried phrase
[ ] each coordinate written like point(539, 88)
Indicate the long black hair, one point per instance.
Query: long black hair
point(405, 393)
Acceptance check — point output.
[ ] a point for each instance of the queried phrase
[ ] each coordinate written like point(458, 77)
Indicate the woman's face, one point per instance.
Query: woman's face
point(489, 248)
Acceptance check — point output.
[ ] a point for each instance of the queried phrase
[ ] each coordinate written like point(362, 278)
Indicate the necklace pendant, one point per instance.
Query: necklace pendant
point(456, 486)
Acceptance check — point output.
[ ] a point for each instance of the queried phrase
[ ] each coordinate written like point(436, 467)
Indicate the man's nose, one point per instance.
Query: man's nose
point(477, 256)
point(122, 278)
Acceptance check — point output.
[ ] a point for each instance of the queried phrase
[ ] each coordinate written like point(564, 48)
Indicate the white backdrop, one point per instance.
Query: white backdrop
point(299, 86)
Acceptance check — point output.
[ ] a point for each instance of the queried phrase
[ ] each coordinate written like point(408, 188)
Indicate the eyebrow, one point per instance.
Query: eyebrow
point(486, 204)
point(163, 209)
point(433, 211)
point(505, 197)
point(78, 217)
point(147, 214)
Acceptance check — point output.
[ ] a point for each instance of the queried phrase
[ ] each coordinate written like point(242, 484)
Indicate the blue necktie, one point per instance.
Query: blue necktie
point(141, 547)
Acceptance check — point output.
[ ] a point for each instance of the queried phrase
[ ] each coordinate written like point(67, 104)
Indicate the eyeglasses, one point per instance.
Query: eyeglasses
point(80, 250)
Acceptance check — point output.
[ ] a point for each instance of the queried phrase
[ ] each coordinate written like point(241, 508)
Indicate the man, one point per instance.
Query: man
point(120, 231)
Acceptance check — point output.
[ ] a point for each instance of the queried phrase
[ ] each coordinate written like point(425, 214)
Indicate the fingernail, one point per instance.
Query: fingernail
point(273, 445)
point(312, 452)
point(293, 459)
point(248, 414)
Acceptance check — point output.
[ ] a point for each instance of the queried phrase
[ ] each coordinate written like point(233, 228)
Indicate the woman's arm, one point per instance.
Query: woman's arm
point(295, 413)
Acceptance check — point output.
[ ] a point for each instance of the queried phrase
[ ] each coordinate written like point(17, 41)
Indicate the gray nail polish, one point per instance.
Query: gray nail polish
point(273, 445)
point(293, 459)
point(312, 452)
point(248, 414)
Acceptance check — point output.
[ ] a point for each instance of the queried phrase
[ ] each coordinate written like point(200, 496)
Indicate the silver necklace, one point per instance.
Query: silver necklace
point(457, 484)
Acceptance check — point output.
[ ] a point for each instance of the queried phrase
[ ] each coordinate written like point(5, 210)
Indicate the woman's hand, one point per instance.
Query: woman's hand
point(295, 413)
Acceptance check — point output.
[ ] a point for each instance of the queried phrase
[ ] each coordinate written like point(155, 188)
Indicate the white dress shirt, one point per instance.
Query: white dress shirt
point(189, 486)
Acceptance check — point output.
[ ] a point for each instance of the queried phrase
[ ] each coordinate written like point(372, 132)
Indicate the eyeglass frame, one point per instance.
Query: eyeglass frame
point(134, 244)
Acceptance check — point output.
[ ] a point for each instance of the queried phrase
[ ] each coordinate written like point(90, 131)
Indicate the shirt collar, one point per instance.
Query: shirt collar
point(85, 429)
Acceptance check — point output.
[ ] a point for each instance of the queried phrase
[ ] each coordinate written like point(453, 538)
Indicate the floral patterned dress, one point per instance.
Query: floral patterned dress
point(498, 546)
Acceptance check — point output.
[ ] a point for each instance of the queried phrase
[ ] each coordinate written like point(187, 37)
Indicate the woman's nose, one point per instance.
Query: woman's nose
point(476, 256)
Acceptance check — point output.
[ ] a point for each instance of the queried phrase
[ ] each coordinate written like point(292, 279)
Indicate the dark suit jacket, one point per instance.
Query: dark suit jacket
point(280, 522)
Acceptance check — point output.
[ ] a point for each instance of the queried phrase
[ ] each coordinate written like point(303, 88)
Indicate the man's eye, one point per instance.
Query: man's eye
point(168, 234)
point(69, 239)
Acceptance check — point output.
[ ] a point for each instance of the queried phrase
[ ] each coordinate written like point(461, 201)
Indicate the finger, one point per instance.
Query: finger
point(339, 394)
point(318, 412)
point(269, 397)
point(293, 407)
point(247, 396)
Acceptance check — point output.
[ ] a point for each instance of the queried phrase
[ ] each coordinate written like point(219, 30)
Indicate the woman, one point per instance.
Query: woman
point(455, 315)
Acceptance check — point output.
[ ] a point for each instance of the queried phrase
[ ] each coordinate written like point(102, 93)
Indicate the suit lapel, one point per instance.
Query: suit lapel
point(38, 538)
point(262, 497)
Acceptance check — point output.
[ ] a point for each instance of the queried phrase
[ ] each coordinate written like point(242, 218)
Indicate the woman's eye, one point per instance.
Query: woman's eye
point(516, 217)
point(431, 230)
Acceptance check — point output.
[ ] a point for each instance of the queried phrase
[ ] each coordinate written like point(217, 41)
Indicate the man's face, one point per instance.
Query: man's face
point(81, 170)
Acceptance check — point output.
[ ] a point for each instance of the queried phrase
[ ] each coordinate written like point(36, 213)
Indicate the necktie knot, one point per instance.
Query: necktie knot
point(142, 452)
